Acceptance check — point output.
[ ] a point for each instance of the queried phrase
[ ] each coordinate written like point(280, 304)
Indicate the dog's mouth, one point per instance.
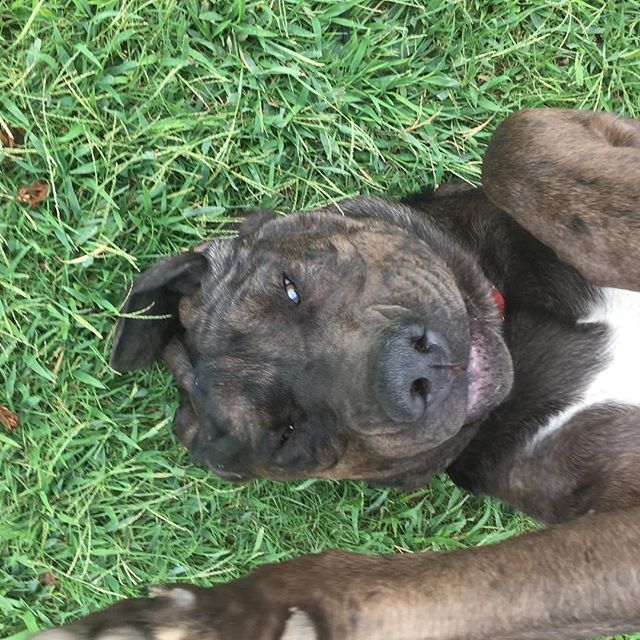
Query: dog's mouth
point(489, 378)
point(477, 375)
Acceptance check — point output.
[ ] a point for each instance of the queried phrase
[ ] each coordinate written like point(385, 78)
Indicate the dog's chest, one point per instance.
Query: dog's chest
point(616, 380)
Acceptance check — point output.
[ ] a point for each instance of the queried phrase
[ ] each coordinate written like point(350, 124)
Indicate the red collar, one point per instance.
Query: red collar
point(498, 298)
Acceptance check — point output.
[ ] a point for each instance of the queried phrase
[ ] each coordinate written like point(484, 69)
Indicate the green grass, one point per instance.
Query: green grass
point(155, 123)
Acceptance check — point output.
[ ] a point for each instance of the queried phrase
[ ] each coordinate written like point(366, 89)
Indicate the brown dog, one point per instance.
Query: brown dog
point(462, 329)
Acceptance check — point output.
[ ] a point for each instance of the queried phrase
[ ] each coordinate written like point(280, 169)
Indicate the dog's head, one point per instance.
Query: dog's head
point(357, 341)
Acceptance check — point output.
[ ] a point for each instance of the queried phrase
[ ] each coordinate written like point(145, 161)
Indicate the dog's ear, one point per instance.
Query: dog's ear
point(150, 314)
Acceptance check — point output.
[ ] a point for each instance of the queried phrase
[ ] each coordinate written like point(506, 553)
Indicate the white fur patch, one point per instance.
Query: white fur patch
point(181, 597)
point(618, 381)
point(55, 634)
point(299, 626)
point(171, 634)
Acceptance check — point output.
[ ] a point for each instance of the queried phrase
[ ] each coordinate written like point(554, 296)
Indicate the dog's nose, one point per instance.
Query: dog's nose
point(414, 371)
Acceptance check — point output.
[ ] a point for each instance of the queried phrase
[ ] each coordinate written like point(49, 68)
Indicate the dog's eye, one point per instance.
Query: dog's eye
point(286, 434)
point(422, 344)
point(291, 290)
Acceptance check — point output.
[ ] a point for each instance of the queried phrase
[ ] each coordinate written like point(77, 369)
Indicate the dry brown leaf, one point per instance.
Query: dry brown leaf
point(9, 419)
point(49, 578)
point(12, 137)
point(33, 195)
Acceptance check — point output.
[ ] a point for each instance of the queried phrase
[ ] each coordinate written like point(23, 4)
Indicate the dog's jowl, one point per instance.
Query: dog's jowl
point(491, 333)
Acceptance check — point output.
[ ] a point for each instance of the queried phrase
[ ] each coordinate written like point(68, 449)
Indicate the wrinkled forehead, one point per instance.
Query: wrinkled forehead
point(328, 256)
point(304, 241)
point(295, 237)
point(316, 236)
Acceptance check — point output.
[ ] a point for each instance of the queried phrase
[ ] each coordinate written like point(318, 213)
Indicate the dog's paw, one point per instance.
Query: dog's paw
point(309, 598)
point(188, 613)
point(171, 614)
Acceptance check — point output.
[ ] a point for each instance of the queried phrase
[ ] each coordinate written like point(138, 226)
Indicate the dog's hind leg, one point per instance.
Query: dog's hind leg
point(572, 179)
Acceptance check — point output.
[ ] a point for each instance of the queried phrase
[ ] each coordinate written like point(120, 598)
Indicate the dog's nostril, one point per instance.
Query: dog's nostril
point(421, 344)
point(420, 387)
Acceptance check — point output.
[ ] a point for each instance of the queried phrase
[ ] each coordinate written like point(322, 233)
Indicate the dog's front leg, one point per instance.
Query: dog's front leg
point(572, 179)
point(575, 580)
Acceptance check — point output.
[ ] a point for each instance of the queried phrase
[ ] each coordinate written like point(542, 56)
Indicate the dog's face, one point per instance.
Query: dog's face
point(351, 342)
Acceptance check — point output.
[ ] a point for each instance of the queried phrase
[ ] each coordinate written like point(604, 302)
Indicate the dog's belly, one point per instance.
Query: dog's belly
point(586, 456)
point(617, 382)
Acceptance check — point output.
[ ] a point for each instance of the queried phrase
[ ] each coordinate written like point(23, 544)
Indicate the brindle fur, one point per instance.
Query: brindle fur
point(560, 210)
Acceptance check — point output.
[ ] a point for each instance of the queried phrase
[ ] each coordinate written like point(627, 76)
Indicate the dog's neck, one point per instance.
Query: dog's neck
point(526, 273)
